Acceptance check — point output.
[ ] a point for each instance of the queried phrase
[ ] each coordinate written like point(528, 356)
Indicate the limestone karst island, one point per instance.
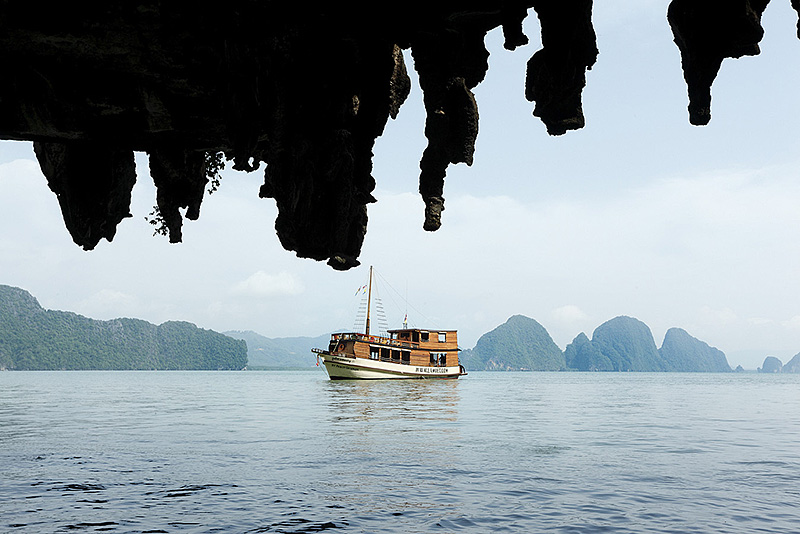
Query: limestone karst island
point(33, 338)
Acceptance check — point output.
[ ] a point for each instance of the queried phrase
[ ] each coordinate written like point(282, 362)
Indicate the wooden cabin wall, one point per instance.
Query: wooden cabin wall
point(420, 359)
point(362, 350)
point(450, 344)
point(420, 356)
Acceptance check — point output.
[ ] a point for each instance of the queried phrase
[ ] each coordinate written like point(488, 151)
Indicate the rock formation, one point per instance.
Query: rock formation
point(583, 356)
point(774, 365)
point(620, 344)
point(685, 353)
point(305, 89)
point(626, 344)
point(520, 344)
point(771, 365)
point(793, 365)
point(707, 32)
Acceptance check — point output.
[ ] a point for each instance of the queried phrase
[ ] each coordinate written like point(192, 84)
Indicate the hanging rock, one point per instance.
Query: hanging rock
point(299, 90)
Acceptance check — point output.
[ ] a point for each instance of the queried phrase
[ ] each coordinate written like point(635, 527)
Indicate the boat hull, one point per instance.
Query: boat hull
point(341, 367)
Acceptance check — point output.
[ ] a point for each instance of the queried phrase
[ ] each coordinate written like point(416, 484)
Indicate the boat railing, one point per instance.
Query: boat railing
point(373, 339)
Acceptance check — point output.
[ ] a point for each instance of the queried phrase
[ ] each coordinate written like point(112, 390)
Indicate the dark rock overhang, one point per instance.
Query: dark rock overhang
point(304, 88)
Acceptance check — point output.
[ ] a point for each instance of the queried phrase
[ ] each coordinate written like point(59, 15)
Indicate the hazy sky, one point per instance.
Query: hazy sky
point(638, 214)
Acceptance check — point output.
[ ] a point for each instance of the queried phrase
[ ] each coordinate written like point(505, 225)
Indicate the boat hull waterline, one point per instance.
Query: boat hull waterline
point(342, 368)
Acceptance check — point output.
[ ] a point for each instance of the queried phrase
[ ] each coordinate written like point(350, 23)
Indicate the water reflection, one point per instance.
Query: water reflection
point(381, 400)
point(392, 446)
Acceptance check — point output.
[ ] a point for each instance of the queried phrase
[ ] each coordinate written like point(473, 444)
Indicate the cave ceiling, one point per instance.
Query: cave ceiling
point(296, 91)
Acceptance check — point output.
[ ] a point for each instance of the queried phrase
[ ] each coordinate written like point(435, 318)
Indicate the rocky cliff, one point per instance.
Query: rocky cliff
point(628, 345)
point(304, 87)
point(520, 344)
point(682, 352)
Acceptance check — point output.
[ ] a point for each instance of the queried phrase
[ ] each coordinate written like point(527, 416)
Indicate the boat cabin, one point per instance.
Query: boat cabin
point(411, 346)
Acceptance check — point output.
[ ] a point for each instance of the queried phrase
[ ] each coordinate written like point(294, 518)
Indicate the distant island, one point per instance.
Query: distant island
point(621, 344)
point(774, 365)
point(521, 344)
point(32, 338)
point(279, 353)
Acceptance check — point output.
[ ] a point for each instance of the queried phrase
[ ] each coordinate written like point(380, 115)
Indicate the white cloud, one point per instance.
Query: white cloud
point(27, 205)
point(262, 284)
point(721, 316)
point(612, 15)
point(109, 304)
point(569, 314)
point(680, 252)
point(793, 323)
point(567, 322)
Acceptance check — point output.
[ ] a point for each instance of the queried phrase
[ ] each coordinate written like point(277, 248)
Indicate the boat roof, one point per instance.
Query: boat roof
point(421, 330)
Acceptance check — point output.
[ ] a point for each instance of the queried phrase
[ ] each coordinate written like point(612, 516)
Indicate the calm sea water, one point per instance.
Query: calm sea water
point(251, 452)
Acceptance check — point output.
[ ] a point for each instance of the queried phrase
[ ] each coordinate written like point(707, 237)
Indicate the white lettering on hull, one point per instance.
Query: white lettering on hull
point(343, 367)
point(434, 370)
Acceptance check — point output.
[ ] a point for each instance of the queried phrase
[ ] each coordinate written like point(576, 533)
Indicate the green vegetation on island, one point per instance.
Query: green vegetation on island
point(682, 352)
point(620, 344)
point(32, 338)
point(520, 344)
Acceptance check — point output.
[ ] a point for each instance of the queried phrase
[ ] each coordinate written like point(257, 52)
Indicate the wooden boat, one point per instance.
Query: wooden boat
point(405, 353)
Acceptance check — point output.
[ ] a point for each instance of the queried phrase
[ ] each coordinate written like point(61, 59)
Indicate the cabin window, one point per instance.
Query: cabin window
point(438, 359)
point(404, 335)
point(395, 354)
point(385, 355)
point(442, 337)
point(415, 337)
point(374, 353)
point(406, 356)
point(425, 336)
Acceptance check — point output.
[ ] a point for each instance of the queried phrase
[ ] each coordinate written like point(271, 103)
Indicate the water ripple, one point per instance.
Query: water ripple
point(496, 452)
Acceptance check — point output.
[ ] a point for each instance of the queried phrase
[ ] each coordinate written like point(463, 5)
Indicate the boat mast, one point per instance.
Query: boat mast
point(369, 298)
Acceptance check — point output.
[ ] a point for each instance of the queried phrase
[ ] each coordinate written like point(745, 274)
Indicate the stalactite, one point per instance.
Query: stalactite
point(556, 74)
point(305, 89)
point(706, 32)
point(93, 183)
